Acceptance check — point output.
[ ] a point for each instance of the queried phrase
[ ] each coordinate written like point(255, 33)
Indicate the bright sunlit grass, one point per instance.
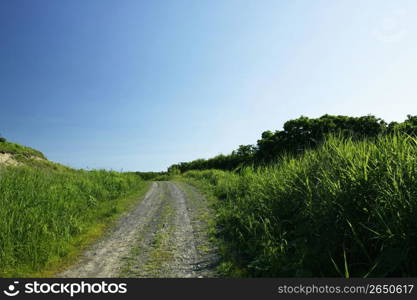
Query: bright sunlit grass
point(45, 213)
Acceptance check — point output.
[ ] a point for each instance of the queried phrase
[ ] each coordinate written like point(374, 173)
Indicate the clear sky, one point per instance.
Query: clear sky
point(140, 85)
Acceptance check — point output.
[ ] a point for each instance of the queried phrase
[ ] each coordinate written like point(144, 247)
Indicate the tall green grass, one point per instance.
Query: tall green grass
point(346, 209)
point(43, 210)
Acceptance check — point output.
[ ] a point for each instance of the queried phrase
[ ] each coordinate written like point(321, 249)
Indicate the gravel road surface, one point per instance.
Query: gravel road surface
point(165, 235)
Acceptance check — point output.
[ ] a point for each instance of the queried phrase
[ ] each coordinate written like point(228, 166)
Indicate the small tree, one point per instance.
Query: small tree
point(2, 139)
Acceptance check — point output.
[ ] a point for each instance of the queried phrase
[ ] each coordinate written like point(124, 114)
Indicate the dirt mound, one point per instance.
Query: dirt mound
point(8, 160)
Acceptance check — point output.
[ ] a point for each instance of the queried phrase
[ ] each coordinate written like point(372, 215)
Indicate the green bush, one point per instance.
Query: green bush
point(297, 136)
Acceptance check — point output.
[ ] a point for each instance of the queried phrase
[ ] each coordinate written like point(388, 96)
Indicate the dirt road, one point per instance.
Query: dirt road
point(165, 235)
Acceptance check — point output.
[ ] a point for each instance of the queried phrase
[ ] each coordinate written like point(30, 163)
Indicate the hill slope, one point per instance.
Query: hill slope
point(13, 148)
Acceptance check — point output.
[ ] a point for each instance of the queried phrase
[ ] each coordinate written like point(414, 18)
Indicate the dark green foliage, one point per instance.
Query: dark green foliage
point(149, 175)
point(297, 136)
point(243, 155)
point(409, 126)
point(304, 133)
point(156, 176)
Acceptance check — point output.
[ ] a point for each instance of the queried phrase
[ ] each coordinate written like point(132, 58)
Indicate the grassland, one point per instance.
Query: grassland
point(345, 209)
point(49, 212)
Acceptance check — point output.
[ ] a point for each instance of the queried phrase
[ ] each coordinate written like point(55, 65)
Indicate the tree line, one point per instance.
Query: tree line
point(297, 136)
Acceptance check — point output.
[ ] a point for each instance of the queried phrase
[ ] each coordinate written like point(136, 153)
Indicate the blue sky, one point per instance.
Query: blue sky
point(140, 85)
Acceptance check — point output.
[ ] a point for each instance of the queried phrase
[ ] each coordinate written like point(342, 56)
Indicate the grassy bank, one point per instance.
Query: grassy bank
point(47, 214)
point(13, 148)
point(345, 209)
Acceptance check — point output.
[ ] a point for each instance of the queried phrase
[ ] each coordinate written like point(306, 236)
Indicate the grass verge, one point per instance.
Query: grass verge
point(345, 209)
point(49, 215)
point(93, 234)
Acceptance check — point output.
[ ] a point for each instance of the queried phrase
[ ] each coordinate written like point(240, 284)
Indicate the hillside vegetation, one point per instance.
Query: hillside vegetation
point(345, 207)
point(8, 147)
point(295, 137)
point(49, 211)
